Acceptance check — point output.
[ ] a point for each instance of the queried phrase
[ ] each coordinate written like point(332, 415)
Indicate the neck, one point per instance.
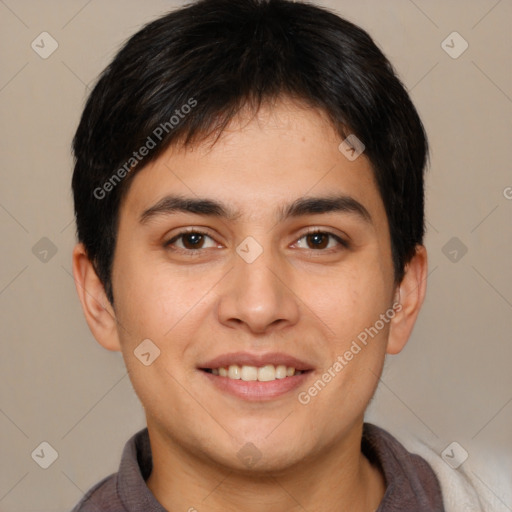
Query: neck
point(338, 479)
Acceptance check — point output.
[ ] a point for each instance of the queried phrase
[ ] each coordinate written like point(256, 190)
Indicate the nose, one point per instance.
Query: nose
point(258, 296)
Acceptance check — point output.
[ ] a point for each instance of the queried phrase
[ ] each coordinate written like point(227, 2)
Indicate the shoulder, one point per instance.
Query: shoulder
point(395, 459)
point(391, 452)
point(460, 486)
point(411, 484)
point(126, 489)
point(101, 497)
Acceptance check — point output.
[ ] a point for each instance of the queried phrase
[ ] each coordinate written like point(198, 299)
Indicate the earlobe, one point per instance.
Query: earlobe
point(98, 311)
point(410, 295)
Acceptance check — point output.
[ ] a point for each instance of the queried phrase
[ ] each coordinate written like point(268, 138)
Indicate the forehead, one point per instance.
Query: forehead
point(260, 162)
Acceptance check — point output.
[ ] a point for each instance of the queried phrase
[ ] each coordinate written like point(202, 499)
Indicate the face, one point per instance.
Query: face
point(276, 263)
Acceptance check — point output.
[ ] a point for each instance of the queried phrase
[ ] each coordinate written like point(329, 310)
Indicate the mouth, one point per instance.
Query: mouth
point(266, 373)
point(256, 377)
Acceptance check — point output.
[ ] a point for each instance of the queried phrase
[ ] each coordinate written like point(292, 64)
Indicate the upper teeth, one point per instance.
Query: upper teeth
point(263, 374)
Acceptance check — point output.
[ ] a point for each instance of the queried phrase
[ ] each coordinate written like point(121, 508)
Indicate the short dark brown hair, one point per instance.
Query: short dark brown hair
point(185, 76)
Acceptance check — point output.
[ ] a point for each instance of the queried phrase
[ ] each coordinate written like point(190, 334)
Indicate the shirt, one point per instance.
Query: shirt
point(411, 484)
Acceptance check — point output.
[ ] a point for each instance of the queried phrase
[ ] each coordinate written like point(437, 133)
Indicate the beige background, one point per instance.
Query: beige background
point(452, 383)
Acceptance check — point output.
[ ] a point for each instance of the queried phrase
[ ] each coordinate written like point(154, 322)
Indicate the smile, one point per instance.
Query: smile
point(246, 373)
point(252, 378)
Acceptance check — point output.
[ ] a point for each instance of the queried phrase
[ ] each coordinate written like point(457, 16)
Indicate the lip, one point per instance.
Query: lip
point(248, 359)
point(254, 390)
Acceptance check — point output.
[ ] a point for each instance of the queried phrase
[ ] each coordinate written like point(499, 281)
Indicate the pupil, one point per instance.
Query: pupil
point(194, 238)
point(317, 239)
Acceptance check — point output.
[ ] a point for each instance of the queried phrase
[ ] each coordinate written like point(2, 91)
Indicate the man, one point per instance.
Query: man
point(249, 201)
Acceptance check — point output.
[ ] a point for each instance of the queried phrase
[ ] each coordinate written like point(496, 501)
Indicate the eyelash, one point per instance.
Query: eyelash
point(313, 231)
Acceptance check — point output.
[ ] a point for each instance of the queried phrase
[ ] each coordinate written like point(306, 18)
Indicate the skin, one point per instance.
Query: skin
point(294, 298)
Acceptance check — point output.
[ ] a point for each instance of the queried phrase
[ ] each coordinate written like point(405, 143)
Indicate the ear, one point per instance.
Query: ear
point(408, 301)
point(98, 311)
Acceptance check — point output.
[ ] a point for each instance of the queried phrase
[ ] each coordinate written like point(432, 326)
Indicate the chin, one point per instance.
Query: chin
point(255, 462)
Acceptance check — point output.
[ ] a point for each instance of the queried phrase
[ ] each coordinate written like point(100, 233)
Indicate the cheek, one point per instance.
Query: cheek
point(350, 301)
point(165, 306)
point(153, 305)
point(151, 298)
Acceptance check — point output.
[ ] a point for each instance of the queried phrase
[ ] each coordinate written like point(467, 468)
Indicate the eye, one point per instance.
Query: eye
point(321, 240)
point(191, 240)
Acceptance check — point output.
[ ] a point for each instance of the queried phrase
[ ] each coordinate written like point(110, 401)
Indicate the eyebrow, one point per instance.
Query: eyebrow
point(300, 207)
